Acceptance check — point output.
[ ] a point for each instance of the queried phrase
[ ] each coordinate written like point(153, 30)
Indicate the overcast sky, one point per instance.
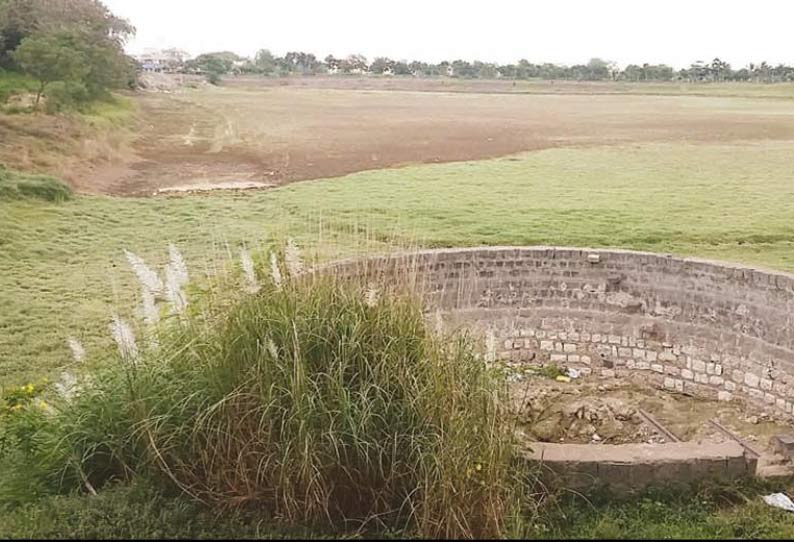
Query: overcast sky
point(674, 32)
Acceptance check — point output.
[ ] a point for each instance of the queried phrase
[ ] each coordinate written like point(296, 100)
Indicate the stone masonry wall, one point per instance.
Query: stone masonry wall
point(707, 328)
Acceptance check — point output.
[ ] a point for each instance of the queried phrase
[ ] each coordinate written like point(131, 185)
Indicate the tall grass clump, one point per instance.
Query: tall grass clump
point(311, 401)
point(16, 186)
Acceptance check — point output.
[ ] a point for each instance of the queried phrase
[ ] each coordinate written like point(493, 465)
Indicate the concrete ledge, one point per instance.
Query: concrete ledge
point(631, 467)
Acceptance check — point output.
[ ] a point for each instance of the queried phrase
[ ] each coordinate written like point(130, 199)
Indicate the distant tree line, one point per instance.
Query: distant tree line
point(73, 48)
point(300, 63)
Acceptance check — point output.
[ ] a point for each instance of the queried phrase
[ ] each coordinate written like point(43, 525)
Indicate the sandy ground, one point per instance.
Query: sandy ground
point(274, 132)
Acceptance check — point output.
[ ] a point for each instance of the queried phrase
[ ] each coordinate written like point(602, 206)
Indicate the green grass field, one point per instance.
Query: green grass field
point(62, 273)
point(62, 270)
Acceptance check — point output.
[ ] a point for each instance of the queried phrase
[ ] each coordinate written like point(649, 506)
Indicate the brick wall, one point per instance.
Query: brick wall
point(708, 328)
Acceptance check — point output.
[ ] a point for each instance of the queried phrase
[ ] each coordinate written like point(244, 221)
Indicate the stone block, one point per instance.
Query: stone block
point(766, 384)
point(651, 356)
point(758, 395)
point(751, 380)
point(716, 380)
point(783, 445)
point(667, 355)
point(569, 348)
point(547, 345)
point(657, 368)
point(686, 373)
point(724, 396)
point(698, 366)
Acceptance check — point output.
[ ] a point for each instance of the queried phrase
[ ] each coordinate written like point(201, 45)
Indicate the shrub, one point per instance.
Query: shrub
point(66, 96)
point(311, 403)
point(15, 186)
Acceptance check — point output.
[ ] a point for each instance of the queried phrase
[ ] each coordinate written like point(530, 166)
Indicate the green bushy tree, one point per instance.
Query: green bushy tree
point(51, 58)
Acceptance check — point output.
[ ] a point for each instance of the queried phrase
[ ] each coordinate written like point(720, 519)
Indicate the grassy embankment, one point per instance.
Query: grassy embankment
point(69, 145)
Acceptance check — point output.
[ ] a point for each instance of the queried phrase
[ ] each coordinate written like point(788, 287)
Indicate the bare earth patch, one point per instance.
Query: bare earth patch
point(269, 133)
point(601, 411)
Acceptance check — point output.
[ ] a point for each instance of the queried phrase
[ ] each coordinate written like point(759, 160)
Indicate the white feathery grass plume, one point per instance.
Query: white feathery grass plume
point(490, 346)
point(271, 348)
point(149, 307)
point(292, 258)
point(173, 291)
point(78, 352)
point(67, 386)
point(125, 339)
point(177, 263)
point(247, 264)
point(439, 323)
point(275, 271)
point(146, 276)
point(371, 296)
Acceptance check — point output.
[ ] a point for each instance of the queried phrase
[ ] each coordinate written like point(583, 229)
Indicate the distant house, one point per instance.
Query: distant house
point(162, 60)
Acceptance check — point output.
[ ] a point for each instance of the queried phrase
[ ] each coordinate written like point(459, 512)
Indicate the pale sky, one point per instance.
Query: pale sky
point(675, 32)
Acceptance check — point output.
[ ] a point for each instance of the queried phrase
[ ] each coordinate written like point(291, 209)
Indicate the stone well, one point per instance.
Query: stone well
point(714, 330)
point(711, 329)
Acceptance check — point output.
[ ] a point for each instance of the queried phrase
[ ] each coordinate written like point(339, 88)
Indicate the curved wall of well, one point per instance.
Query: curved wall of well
point(711, 329)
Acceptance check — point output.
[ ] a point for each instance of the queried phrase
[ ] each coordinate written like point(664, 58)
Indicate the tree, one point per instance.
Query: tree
point(720, 70)
point(265, 62)
point(214, 65)
point(484, 70)
point(333, 63)
point(300, 62)
point(381, 65)
point(354, 64)
point(89, 19)
point(401, 68)
point(51, 58)
point(462, 68)
point(597, 70)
